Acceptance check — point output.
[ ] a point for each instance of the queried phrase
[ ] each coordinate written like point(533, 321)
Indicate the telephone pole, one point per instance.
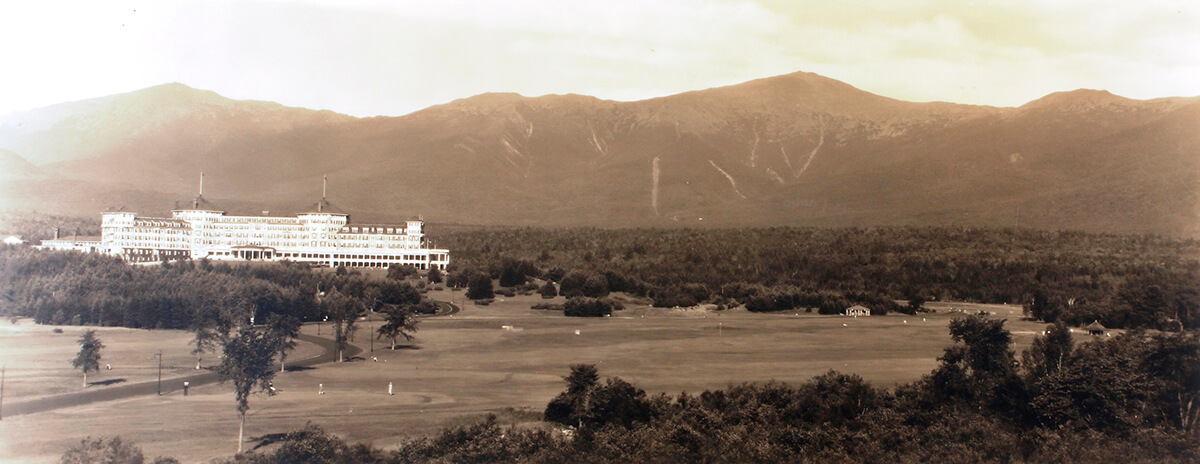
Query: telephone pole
point(159, 355)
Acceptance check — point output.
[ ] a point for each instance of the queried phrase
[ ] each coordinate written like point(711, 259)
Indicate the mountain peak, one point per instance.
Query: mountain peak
point(1077, 99)
point(176, 92)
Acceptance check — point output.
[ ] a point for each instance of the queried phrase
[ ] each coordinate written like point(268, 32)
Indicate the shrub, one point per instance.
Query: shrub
point(761, 303)
point(425, 307)
point(554, 275)
point(99, 450)
point(591, 307)
point(548, 290)
point(589, 284)
point(514, 271)
point(480, 287)
point(672, 297)
point(548, 306)
point(434, 276)
point(401, 272)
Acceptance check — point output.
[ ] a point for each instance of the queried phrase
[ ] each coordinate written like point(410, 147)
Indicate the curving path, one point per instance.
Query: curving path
point(445, 309)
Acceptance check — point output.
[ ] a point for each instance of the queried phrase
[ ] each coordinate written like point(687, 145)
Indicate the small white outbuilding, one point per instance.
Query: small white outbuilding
point(858, 310)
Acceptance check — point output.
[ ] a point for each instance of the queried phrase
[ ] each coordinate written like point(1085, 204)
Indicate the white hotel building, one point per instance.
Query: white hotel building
point(318, 238)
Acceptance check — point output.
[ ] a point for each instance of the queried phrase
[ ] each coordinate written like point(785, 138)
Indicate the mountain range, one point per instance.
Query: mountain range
point(798, 149)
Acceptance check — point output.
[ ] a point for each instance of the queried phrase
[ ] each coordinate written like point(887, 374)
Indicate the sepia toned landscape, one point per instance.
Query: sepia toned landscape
point(600, 232)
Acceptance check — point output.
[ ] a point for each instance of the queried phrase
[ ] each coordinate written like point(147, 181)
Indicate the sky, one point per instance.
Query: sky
point(393, 57)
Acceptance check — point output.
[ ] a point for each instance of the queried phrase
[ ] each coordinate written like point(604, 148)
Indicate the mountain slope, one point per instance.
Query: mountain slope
point(799, 149)
point(13, 166)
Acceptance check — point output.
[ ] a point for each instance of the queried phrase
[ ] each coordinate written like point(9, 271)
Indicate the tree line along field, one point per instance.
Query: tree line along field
point(1123, 281)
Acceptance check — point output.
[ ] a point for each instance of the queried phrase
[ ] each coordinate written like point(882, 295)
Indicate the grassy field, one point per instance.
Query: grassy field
point(463, 366)
point(37, 361)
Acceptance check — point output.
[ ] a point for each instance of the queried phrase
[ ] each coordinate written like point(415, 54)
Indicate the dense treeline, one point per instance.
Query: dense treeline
point(78, 288)
point(1124, 281)
point(1131, 398)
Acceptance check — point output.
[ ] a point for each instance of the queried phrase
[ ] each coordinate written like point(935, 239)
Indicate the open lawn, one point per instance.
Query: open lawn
point(37, 361)
point(462, 366)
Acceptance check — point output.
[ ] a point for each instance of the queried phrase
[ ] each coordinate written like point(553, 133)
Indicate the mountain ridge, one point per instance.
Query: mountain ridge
point(797, 149)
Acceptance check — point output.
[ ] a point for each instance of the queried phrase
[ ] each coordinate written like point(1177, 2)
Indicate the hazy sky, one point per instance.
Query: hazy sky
point(391, 57)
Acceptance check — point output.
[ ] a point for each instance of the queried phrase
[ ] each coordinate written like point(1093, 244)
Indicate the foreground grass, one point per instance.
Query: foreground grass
point(463, 366)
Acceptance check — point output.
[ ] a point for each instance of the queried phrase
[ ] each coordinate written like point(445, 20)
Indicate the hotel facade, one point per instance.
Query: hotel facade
point(320, 238)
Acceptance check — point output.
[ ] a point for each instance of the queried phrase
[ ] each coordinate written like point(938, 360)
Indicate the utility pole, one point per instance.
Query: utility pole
point(159, 355)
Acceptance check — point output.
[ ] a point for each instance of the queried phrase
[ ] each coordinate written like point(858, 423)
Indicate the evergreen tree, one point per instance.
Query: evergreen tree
point(479, 287)
point(88, 358)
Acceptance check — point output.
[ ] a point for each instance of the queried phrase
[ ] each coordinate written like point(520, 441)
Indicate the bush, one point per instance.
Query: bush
point(591, 307)
point(480, 287)
point(588, 284)
point(554, 275)
point(425, 307)
point(762, 303)
point(513, 272)
point(671, 297)
point(548, 290)
point(434, 276)
point(548, 306)
point(505, 291)
point(401, 272)
point(483, 302)
point(833, 305)
point(57, 330)
point(99, 450)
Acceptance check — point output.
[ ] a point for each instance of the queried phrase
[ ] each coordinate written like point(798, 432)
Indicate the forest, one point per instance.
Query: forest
point(1124, 281)
point(77, 288)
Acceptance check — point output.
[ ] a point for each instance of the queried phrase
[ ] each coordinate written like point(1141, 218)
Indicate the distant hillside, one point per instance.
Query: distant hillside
point(798, 149)
point(13, 166)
